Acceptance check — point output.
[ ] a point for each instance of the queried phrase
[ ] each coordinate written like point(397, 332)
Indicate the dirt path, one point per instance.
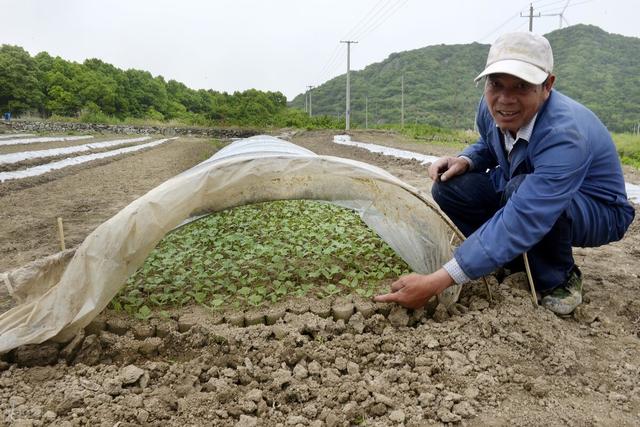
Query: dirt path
point(501, 363)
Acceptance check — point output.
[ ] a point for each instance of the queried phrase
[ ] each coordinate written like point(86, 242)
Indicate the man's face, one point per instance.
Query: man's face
point(513, 101)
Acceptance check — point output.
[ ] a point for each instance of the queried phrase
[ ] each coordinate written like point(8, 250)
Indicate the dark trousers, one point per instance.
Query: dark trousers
point(470, 200)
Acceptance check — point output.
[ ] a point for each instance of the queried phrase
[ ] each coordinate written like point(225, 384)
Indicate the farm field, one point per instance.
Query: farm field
point(335, 361)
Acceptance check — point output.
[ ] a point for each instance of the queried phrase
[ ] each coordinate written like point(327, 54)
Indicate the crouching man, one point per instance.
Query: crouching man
point(543, 177)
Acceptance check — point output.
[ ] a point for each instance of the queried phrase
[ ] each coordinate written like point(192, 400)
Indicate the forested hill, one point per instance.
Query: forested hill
point(599, 69)
point(97, 91)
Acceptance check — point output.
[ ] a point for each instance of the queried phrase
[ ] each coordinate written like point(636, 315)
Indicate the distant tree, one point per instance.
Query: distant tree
point(19, 88)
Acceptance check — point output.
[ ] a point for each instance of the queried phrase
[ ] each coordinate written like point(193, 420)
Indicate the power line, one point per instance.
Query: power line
point(558, 8)
point(356, 28)
point(333, 70)
point(561, 14)
point(561, 10)
point(374, 25)
point(551, 3)
point(373, 19)
point(330, 63)
point(502, 25)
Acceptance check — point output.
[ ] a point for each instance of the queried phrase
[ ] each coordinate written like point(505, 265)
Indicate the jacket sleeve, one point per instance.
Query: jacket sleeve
point(480, 153)
point(561, 160)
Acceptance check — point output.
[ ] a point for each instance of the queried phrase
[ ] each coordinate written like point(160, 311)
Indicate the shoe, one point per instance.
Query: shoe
point(565, 298)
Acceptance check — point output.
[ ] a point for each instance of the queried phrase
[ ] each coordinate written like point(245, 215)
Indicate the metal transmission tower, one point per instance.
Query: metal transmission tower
point(309, 95)
point(530, 16)
point(561, 14)
point(347, 114)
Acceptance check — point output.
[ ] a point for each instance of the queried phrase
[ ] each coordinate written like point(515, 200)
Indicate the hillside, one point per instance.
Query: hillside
point(597, 68)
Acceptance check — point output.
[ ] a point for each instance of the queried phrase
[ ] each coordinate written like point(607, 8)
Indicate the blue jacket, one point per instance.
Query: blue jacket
point(573, 167)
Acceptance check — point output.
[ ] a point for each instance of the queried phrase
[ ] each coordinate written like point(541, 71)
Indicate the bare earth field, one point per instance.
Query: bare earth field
point(317, 363)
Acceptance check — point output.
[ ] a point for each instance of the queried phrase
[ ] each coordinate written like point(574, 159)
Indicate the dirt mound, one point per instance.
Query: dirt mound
point(478, 362)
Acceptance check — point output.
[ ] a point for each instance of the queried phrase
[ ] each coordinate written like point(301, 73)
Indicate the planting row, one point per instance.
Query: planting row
point(20, 141)
point(72, 161)
point(54, 152)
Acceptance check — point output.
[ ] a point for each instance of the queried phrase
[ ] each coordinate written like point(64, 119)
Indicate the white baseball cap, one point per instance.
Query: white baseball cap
point(523, 54)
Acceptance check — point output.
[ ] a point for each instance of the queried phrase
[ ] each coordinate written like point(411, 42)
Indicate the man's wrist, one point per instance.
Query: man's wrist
point(455, 271)
point(468, 159)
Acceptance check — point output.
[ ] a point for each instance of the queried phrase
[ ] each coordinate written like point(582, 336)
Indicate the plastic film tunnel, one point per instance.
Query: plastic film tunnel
point(57, 296)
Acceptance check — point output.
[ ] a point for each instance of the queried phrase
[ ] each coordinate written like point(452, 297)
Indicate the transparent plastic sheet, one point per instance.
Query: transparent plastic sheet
point(52, 152)
point(58, 304)
point(15, 135)
point(30, 140)
point(72, 161)
point(387, 151)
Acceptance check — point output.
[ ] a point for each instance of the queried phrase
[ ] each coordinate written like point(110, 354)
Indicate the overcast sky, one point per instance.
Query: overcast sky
point(279, 45)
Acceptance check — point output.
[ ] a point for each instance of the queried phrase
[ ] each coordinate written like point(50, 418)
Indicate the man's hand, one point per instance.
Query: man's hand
point(414, 290)
point(447, 167)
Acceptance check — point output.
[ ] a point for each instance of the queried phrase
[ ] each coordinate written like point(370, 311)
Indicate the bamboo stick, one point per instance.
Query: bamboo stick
point(534, 298)
point(61, 234)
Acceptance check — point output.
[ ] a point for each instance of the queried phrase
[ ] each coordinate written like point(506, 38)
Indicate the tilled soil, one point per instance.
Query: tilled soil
point(324, 363)
point(84, 196)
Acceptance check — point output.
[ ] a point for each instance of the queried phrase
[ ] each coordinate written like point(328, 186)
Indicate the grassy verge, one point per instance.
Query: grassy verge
point(455, 138)
point(258, 254)
point(627, 144)
point(628, 147)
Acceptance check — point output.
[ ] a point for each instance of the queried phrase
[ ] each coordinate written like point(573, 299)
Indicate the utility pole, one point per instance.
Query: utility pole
point(309, 91)
point(530, 16)
point(347, 114)
point(366, 112)
point(402, 101)
point(306, 97)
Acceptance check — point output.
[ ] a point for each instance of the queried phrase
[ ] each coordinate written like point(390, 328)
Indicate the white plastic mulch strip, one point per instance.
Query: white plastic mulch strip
point(41, 169)
point(16, 135)
point(387, 151)
point(27, 155)
point(633, 190)
point(44, 139)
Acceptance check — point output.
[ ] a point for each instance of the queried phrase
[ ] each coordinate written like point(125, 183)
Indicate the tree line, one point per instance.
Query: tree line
point(100, 92)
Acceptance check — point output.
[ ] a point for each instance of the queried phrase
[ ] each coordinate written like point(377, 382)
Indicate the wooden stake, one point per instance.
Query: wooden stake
point(534, 298)
point(486, 285)
point(61, 234)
